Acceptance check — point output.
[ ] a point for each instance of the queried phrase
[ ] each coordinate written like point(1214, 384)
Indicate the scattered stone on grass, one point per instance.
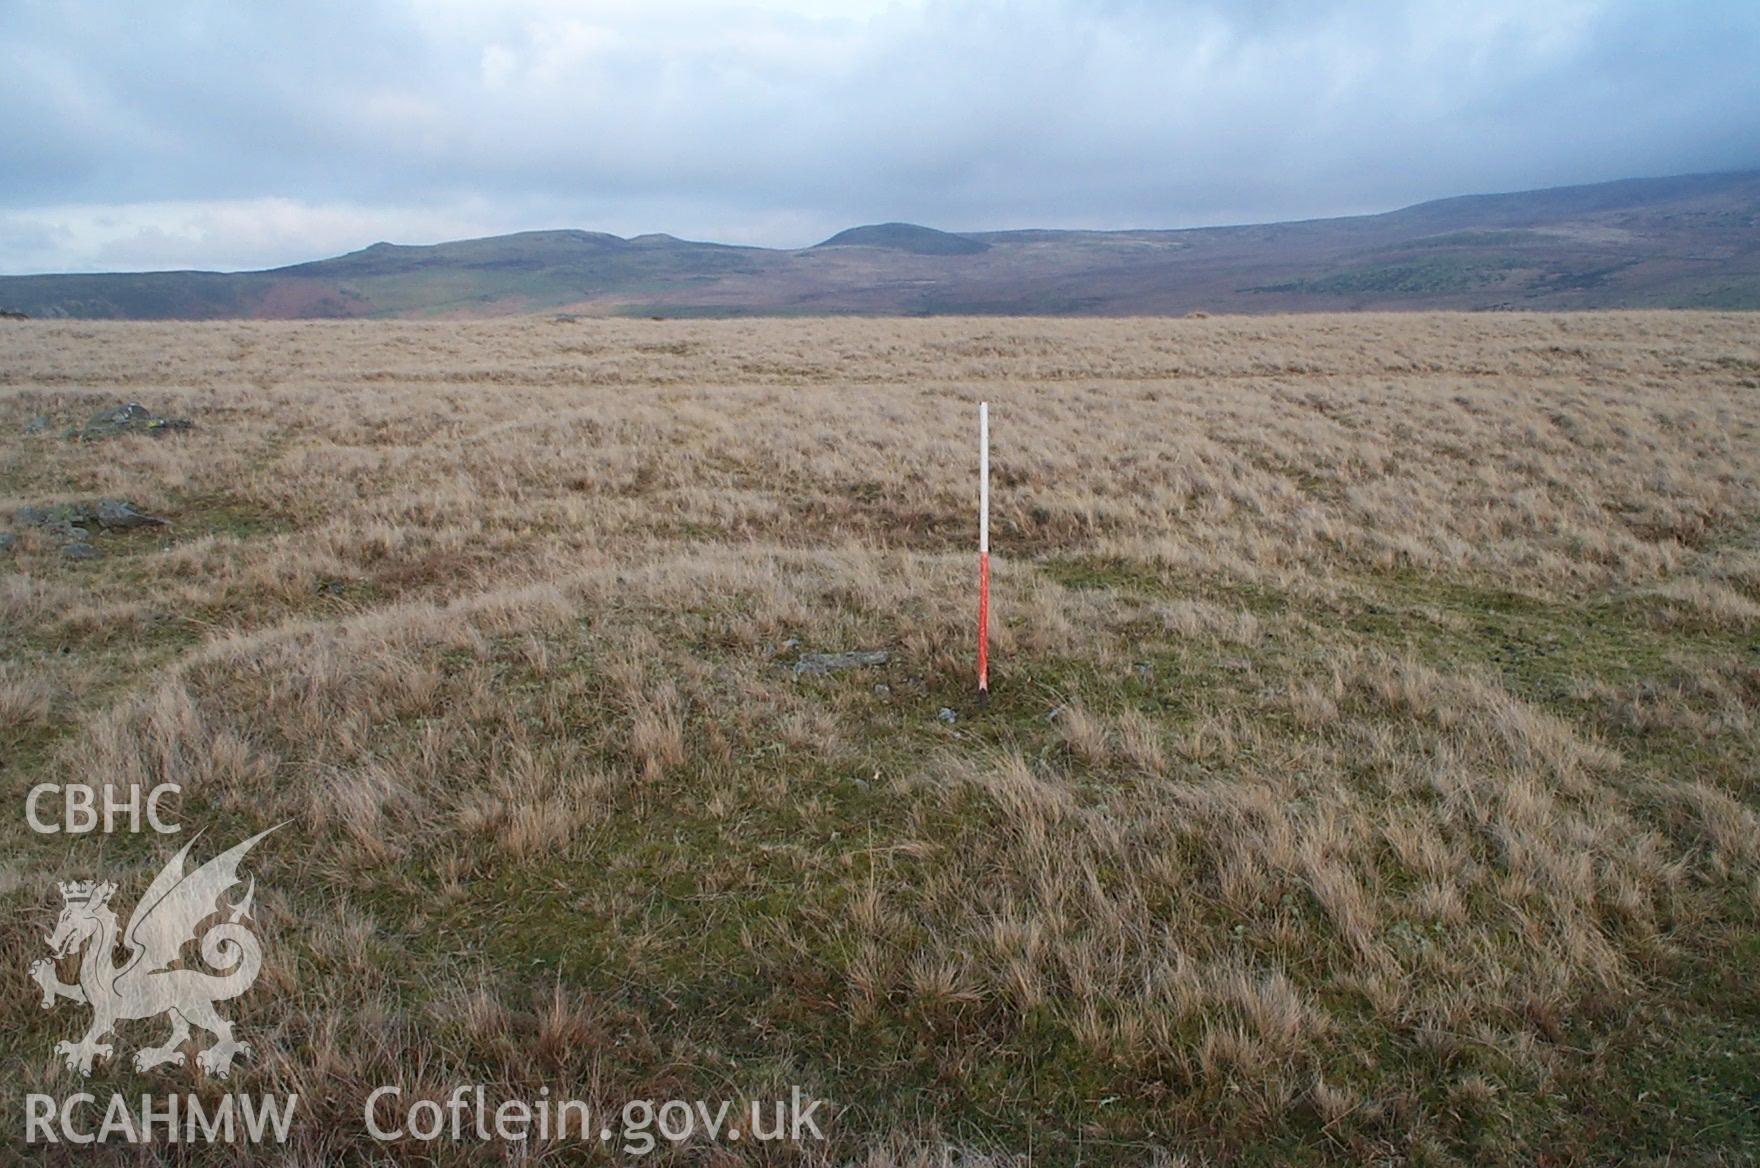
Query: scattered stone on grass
point(948, 716)
point(37, 425)
point(7, 539)
point(121, 513)
point(80, 551)
point(829, 662)
point(33, 516)
point(129, 418)
point(61, 518)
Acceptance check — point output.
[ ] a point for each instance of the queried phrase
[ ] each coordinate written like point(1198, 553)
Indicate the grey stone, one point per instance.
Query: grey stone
point(64, 519)
point(7, 539)
point(81, 551)
point(126, 414)
point(829, 662)
point(37, 425)
point(55, 515)
point(883, 690)
point(129, 418)
point(120, 513)
point(948, 716)
point(71, 532)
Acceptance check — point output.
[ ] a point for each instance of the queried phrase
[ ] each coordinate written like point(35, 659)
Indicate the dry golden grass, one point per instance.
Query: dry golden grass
point(1370, 776)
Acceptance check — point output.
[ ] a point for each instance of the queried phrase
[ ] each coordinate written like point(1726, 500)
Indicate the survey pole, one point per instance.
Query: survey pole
point(983, 550)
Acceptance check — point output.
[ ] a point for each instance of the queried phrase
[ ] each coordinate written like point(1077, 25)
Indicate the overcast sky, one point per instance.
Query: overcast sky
point(234, 134)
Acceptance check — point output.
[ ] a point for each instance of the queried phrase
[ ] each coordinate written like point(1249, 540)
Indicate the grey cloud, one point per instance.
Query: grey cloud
point(719, 121)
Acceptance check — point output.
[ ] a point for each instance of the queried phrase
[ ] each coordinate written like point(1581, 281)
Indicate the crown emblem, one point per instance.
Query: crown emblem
point(86, 891)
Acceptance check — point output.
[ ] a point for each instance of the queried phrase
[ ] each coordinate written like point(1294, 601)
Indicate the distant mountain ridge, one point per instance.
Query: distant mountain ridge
point(1686, 242)
point(907, 237)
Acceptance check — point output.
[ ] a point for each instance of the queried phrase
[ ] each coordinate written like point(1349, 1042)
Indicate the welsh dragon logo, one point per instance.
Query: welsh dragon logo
point(144, 985)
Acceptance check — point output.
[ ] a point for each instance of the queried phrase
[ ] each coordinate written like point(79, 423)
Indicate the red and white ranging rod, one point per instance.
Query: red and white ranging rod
point(983, 551)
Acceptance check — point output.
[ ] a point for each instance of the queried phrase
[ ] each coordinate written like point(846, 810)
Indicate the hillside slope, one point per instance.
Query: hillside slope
point(1685, 242)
